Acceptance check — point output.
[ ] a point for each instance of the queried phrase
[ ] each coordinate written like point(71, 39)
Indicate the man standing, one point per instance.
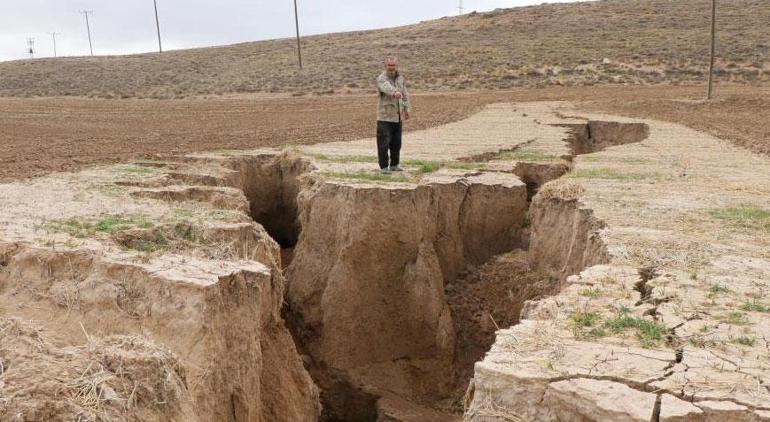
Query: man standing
point(393, 110)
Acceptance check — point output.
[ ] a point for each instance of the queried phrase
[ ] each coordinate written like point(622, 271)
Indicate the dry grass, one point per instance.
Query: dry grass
point(615, 41)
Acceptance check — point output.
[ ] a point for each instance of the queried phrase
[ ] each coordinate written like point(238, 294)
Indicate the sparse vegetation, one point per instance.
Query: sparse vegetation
point(364, 176)
point(591, 293)
point(525, 155)
point(745, 216)
point(613, 174)
point(650, 333)
point(744, 340)
point(585, 324)
point(134, 170)
point(83, 228)
point(735, 318)
point(755, 306)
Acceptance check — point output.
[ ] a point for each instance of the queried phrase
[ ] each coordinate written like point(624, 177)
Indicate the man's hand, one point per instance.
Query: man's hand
point(398, 95)
point(406, 115)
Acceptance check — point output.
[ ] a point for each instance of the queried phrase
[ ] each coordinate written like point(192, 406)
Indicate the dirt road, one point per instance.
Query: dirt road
point(40, 136)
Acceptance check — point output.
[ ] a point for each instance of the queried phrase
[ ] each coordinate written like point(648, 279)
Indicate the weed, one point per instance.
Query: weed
point(746, 216)
point(345, 158)
point(424, 166)
point(584, 324)
point(134, 170)
point(755, 306)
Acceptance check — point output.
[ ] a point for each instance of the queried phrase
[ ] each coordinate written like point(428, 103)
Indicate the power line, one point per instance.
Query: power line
point(53, 35)
point(299, 47)
point(157, 25)
point(88, 27)
point(31, 47)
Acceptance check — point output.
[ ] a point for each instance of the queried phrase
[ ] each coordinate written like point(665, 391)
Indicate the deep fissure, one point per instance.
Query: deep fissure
point(273, 186)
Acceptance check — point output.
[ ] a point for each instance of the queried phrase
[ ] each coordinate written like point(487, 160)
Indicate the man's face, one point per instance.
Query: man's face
point(391, 68)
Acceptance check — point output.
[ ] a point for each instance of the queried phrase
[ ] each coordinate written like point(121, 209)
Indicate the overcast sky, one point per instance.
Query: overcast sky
point(128, 26)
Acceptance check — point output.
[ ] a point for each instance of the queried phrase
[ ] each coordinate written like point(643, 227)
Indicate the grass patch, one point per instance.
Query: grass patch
point(363, 176)
point(612, 174)
point(746, 216)
point(134, 170)
point(735, 318)
point(586, 324)
point(755, 306)
point(591, 293)
point(345, 158)
point(650, 333)
point(110, 224)
point(525, 155)
point(744, 340)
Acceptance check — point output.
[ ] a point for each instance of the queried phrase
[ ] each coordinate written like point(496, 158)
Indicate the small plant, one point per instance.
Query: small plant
point(755, 306)
point(591, 293)
point(424, 166)
point(345, 158)
point(746, 216)
point(134, 170)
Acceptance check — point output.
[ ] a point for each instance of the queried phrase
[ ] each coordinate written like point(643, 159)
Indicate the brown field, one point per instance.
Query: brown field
point(40, 136)
point(592, 43)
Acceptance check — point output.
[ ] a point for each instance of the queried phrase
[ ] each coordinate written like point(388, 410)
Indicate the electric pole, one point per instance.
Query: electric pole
point(460, 8)
point(88, 27)
point(713, 46)
point(299, 47)
point(53, 35)
point(157, 25)
point(31, 47)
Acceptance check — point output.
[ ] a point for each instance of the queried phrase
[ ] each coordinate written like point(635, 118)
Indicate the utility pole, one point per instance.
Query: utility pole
point(53, 35)
point(299, 47)
point(157, 25)
point(88, 27)
point(31, 47)
point(460, 8)
point(713, 47)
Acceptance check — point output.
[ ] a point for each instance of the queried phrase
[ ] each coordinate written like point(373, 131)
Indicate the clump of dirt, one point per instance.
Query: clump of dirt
point(485, 300)
point(111, 378)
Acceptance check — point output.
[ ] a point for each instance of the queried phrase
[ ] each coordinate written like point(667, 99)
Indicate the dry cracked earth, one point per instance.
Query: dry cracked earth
point(544, 263)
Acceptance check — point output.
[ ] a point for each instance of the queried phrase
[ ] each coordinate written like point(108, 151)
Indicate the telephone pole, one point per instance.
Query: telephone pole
point(53, 35)
point(713, 47)
point(460, 8)
point(299, 47)
point(88, 27)
point(157, 25)
point(31, 47)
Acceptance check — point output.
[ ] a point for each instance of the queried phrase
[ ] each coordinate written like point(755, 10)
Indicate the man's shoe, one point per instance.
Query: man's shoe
point(396, 168)
point(385, 171)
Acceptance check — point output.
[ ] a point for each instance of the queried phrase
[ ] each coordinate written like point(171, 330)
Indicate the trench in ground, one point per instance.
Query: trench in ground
point(482, 299)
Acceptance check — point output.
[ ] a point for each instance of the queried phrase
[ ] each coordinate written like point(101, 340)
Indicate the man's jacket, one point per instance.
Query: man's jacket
point(389, 106)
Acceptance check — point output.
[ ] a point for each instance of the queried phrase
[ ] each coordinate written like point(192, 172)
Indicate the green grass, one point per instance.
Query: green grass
point(153, 243)
point(87, 228)
point(423, 166)
point(364, 176)
point(345, 158)
point(585, 324)
point(650, 333)
point(526, 155)
point(755, 306)
point(746, 216)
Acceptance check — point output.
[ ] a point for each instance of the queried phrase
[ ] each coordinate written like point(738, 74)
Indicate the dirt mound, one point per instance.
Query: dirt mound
point(111, 378)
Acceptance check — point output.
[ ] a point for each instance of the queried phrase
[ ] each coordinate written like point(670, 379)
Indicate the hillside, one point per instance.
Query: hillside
point(612, 41)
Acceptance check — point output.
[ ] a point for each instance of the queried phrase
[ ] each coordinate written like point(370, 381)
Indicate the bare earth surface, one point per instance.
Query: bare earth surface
point(646, 243)
point(39, 136)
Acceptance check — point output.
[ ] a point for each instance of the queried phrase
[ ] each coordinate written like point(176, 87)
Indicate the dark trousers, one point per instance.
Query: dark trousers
point(388, 140)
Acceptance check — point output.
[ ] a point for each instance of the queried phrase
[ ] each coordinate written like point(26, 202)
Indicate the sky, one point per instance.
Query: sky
point(128, 26)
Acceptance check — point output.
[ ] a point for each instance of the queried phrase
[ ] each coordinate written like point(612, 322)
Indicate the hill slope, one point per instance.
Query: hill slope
point(611, 41)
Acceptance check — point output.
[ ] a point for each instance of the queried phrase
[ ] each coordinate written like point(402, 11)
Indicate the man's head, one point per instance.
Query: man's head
point(391, 66)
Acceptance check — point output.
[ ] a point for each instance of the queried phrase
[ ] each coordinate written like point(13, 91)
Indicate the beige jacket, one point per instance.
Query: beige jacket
point(389, 110)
